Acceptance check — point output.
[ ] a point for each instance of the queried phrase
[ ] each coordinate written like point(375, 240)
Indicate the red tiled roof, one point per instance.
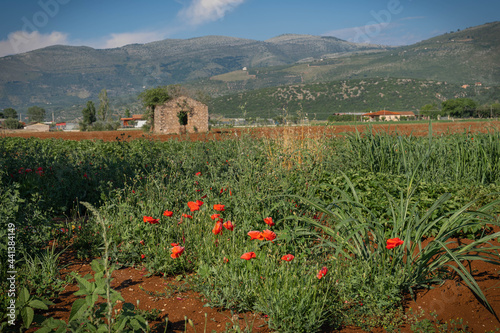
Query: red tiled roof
point(389, 113)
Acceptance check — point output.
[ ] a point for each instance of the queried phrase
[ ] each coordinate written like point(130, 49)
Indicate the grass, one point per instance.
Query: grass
point(334, 203)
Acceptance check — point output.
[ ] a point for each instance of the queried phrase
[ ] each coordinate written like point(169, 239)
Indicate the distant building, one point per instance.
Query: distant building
point(388, 115)
point(38, 127)
point(137, 118)
point(478, 84)
point(181, 115)
point(465, 86)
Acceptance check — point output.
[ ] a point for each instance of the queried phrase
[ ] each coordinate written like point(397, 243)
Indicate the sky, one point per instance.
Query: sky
point(26, 25)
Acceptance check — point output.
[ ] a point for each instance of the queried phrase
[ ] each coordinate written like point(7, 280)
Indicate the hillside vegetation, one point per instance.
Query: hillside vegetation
point(320, 100)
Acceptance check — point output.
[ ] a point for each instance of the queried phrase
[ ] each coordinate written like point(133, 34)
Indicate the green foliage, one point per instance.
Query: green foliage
point(339, 222)
point(103, 109)
point(12, 123)
point(89, 115)
point(41, 273)
point(25, 306)
point(459, 107)
point(9, 113)
point(36, 114)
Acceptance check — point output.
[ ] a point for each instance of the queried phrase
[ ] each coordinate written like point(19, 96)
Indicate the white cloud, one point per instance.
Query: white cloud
point(204, 11)
point(20, 41)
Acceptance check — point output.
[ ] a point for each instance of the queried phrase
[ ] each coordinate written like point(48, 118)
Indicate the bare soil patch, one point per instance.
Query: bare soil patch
point(416, 129)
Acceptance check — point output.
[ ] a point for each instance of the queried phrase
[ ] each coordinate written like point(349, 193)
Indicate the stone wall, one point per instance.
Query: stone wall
point(166, 120)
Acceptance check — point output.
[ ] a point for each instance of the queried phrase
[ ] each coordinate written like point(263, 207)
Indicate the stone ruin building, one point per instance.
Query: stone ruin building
point(181, 115)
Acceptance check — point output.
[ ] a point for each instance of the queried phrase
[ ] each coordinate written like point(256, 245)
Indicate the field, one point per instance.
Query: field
point(289, 229)
point(416, 129)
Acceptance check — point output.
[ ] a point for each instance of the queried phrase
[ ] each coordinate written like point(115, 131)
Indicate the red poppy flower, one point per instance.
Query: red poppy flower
point(215, 216)
point(168, 213)
point(255, 235)
point(269, 235)
point(150, 220)
point(199, 203)
point(203, 197)
point(177, 251)
point(322, 272)
point(393, 242)
point(217, 228)
point(219, 208)
point(225, 260)
point(198, 174)
point(193, 206)
point(228, 225)
point(269, 221)
point(188, 216)
point(221, 190)
point(141, 242)
point(288, 257)
point(143, 256)
point(248, 256)
point(174, 244)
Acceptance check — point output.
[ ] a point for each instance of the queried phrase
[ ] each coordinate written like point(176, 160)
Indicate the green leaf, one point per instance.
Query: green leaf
point(77, 309)
point(27, 314)
point(38, 304)
point(24, 296)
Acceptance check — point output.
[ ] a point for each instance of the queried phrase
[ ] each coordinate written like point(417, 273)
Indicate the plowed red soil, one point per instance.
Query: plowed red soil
point(417, 129)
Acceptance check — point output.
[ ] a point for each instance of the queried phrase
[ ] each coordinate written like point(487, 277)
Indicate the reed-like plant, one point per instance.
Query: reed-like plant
point(355, 232)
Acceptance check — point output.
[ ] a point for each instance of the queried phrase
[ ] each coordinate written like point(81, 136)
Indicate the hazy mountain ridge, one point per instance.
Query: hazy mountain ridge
point(63, 78)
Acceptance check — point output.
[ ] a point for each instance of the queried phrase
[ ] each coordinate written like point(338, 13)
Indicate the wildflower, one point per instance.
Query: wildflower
point(203, 197)
point(188, 216)
point(393, 242)
point(199, 203)
point(168, 213)
point(143, 256)
point(288, 257)
point(215, 216)
point(177, 251)
point(225, 260)
point(269, 235)
point(198, 174)
point(141, 242)
point(322, 272)
point(228, 225)
point(248, 256)
point(219, 208)
point(174, 244)
point(150, 220)
point(193, 206)
point(255, 235)
point(269, 221)
point(217, 228)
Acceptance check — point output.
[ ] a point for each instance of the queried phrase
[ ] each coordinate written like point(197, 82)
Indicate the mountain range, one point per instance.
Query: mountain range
point(62, 78)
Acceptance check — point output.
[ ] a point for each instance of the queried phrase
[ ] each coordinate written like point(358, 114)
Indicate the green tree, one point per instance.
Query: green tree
point(9, 113)
point(459, 107)
point(36, 114)
point(430, 110)
point(152, 97)
point(12, 123)
point(103, 105)
point(88, 114)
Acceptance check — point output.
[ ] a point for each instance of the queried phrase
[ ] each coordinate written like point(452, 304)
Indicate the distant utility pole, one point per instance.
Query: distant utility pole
point(53, 117)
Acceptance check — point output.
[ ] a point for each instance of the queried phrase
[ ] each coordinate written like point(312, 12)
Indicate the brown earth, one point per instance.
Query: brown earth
point(451, 301)
point(416, 129)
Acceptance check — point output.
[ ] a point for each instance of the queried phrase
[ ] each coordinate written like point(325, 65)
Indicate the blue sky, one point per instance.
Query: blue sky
point(30, 24)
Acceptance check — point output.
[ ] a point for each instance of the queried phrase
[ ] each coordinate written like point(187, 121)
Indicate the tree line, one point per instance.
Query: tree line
point(36, 114)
